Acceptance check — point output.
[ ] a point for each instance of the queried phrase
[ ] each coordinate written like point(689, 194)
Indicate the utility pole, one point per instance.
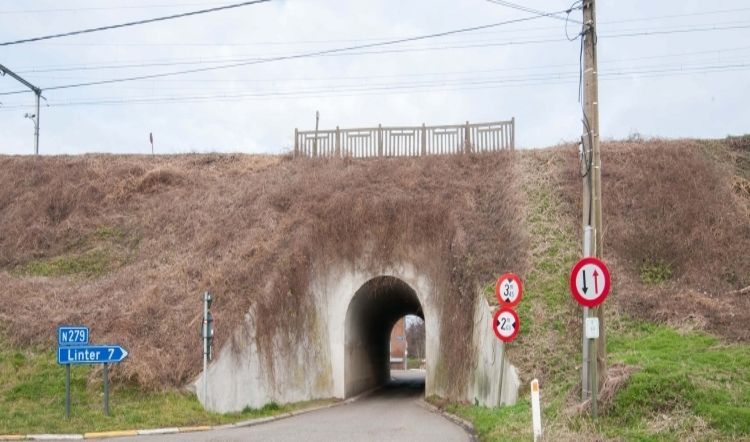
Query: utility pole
point(592, 190)
point(35, 117)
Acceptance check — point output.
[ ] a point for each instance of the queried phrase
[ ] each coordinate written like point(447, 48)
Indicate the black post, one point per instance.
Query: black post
point(106, 389)
point(67, 391)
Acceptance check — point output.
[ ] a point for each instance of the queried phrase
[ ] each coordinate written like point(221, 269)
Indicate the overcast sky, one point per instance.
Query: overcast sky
point(668, 68)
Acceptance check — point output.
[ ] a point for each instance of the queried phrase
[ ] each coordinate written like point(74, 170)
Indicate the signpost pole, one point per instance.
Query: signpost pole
point(205, 346)
point(585, 391)
point(67, 391)
point(502, 375)
point(590, 283)
point(106, 389)
point(505, 321)
point(594, 379)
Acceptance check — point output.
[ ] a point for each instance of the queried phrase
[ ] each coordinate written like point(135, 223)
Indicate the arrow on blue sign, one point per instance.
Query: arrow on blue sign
point(91, 354)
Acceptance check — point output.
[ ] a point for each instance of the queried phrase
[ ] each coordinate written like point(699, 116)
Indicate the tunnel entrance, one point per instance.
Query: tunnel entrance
point(373, 311)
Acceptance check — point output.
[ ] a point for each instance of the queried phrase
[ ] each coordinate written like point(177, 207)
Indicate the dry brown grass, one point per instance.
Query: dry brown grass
point(253, 230)
point(673, 202)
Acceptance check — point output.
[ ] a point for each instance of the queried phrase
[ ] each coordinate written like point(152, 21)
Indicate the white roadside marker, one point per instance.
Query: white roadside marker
point(536, 413)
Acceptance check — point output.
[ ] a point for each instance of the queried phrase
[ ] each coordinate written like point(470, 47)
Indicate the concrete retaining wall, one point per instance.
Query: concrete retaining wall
point(335, 360)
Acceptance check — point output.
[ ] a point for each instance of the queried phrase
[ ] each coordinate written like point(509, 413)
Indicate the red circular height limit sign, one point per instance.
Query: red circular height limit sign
point(590, 282)
point(508, 290)
point(505, 324)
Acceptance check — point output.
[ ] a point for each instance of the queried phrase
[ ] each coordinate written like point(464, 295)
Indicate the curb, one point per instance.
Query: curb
point(103, 434)
point(461, 422)
point(175, 430)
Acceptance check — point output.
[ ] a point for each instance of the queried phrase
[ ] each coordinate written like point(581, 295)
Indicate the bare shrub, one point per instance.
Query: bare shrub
point(154, 179)
point(59, 205)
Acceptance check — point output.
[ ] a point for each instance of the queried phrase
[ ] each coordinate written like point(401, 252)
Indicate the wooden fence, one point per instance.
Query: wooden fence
point(406, 141)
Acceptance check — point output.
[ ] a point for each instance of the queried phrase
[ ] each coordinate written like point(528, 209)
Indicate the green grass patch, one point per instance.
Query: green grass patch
point(687, 386)
point(91, 264)
point(91, 255)
point(690, 375)
point(655, 271)
point(511, 423)
point(32, 400)
point(105, 232)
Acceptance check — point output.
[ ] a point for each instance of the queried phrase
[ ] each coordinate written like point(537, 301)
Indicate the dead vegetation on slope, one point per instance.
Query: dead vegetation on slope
point(254, 230)
point(251, 229)
point(676, 230)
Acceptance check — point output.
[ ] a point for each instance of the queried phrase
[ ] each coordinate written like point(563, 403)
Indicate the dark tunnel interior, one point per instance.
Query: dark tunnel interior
point(371, 315)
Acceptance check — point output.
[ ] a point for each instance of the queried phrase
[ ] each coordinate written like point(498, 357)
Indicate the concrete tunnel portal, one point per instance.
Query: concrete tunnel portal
point(344, 349)
point(371, 315)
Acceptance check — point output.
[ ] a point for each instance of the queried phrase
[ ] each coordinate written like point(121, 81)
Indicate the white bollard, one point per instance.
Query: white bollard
point(536, 412)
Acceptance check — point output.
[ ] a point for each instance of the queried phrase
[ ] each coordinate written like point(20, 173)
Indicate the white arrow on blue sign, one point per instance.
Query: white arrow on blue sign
point(91, 354)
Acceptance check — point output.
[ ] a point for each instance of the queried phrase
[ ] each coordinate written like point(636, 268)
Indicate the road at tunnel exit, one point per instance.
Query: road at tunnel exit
point(389, 414)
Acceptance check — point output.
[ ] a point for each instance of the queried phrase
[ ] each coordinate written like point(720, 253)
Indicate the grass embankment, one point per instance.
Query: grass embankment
point(685, 385)
point(92, 255)
point(32, 400)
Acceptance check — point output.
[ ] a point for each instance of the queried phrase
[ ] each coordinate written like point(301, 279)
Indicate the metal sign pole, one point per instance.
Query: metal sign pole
point(67, 391)
point(594, 379)
point(502, 375)
point(106, 389)
point(588, 234)
point(205, 347)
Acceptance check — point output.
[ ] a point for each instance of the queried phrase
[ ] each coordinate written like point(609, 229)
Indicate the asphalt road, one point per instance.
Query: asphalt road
point(389, 414)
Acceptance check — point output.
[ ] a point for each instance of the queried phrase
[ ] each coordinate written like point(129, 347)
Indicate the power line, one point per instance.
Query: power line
point(345, 51)
point(300, 42)
point(467, 44)
point(101, 8)
point(134, 23)
point(290, 57)
point(413, 87)
point(526, 71)
point(554, 15)
point(687, 14)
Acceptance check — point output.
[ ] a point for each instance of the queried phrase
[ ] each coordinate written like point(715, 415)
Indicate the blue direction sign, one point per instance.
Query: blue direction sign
point(72, 335)
point(91, 354)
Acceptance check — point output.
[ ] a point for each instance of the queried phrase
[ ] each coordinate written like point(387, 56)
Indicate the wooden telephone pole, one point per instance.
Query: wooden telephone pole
point(592, 190)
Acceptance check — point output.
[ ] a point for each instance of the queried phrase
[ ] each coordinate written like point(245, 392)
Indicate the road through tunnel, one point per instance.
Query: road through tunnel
point(370, 317)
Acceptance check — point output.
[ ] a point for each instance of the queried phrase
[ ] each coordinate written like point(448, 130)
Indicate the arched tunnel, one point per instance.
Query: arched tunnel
point(345, 350)
point(371, 315)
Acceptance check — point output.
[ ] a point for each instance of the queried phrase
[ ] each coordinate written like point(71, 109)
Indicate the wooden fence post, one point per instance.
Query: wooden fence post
point(513, 133)
point(380, 140)
point(467, 138)
point(296, 143)
point(338, 142)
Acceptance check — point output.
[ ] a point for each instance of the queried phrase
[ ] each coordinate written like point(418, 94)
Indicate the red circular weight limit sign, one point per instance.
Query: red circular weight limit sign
point(508, 290)
point(505, 324)
point(590, 282)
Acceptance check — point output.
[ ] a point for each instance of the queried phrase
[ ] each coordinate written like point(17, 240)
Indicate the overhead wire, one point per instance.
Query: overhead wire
point(465, 45)
point(288, 57)
point(134, 23)
point(516, 6)
point(300, 42)
point(350, 48)
point(531, 70)
point(101, 8)
point(406, 87)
